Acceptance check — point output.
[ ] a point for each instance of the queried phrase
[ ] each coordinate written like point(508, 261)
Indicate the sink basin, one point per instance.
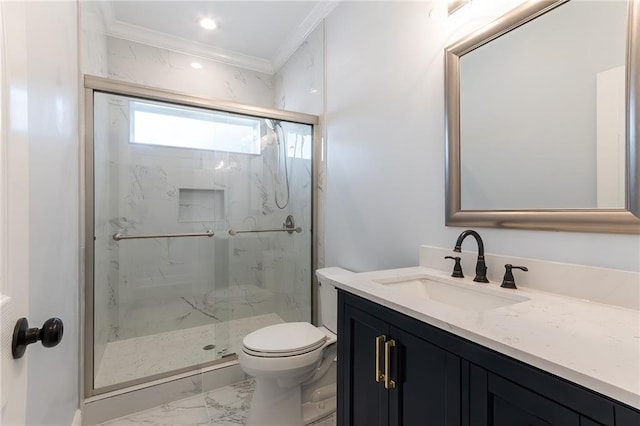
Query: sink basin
point(460, 295)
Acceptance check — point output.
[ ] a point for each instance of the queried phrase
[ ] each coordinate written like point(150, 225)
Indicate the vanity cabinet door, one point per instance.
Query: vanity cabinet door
point(626, 416)
point(495, 401)
point(427, 391)
point(585, 421)
point(426, 380)
point(361, 399)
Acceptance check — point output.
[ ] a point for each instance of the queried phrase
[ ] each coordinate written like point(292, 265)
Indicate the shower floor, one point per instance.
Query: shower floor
point(139, 357)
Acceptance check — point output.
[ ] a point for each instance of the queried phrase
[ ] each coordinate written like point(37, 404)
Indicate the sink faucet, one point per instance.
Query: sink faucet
point(481, 267)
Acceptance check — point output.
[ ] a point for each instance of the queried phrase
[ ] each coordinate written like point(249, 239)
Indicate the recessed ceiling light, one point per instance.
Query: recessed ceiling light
point(196, 65)
point(208, 23)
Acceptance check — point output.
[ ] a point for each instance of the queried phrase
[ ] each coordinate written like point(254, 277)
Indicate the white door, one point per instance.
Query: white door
point(39, 207)
point(14, 209)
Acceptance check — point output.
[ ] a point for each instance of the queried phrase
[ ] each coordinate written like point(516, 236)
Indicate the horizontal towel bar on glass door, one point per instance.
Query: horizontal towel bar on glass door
point(289, 226)
point(289, 230)
point(118, 236)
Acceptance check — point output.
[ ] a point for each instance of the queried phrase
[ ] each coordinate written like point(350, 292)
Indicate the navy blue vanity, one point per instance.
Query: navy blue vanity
point(433, 377)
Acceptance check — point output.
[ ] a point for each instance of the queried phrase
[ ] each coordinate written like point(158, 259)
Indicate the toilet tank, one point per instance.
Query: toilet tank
point(328, 309)
point(328, 297)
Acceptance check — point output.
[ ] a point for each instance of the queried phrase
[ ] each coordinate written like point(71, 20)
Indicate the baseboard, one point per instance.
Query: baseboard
point(99, 409)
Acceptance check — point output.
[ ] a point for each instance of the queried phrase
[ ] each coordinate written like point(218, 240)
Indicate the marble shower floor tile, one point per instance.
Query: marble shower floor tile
point(139, 357)
point(227, 406)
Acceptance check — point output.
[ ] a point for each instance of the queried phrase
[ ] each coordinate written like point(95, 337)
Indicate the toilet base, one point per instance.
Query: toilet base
point(296, 406)
point(322, 403)
point(273, 406)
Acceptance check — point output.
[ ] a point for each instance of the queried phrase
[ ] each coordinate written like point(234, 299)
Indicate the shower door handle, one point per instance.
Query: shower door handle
point(289, 226)
point(50, 334)
point(118, 236)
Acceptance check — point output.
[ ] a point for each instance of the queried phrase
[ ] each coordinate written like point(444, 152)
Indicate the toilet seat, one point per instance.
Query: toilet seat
point(284, 340)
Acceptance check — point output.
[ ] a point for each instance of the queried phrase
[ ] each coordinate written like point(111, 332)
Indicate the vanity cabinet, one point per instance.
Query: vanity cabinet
point(393, 377)
point(497, 401)
point(439, 379)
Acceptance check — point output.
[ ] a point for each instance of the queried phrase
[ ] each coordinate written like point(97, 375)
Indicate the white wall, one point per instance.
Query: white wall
point(52, 95)
point(385, 147)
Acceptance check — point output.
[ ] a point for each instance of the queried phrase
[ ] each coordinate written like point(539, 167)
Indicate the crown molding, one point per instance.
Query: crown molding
point(119, 29)
point(297, 37)
point(157, 39)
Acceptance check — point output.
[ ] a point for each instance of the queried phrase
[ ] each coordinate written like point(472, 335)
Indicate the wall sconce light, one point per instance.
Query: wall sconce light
point(456, 4)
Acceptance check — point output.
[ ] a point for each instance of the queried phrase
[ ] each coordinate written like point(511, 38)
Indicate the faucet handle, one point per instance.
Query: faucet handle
point(508, 281)
point(457, 268)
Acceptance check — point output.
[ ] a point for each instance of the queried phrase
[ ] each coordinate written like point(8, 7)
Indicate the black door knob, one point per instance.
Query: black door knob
point(50, 335)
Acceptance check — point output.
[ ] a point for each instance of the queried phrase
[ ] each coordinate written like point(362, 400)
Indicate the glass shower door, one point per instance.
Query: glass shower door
point(202, 234)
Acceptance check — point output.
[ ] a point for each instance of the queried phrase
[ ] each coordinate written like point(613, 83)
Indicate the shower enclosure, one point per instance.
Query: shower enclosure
point(199, 230)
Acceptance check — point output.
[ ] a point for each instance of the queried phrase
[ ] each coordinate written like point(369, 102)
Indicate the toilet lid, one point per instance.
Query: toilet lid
point(284, 339)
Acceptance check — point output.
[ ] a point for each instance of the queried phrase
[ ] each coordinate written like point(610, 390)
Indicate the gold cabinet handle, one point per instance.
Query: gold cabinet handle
point(388, 383)
point(379, 375)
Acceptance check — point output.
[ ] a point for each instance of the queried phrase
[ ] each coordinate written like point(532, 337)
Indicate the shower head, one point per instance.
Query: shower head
point(272, 137)
point(268, 139)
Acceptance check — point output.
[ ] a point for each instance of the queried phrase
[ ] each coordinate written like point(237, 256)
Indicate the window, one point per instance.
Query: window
point(184, 127)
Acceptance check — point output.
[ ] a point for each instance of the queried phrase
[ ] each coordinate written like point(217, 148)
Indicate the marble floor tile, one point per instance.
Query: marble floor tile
point(327, 421)
point(189, 411)
point(227, 406)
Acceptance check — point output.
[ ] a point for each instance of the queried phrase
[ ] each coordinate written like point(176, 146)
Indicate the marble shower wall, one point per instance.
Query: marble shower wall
point(153, 66)
point(267, 260)
point(295, 259)
point(299, 86)
point(299, 83)
point(138, 63)
point(299, 260)
point(158, 285)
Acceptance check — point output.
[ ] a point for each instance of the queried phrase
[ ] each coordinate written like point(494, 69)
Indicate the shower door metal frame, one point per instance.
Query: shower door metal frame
point(93, 84)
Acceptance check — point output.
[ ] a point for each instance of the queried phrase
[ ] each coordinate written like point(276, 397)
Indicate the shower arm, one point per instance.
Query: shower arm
point(288, 226)
point(118, 236)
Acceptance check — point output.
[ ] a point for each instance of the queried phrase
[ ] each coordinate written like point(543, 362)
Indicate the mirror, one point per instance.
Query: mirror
point(541, 120)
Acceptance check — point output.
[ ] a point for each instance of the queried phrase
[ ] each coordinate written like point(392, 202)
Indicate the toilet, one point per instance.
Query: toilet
point(294, 368)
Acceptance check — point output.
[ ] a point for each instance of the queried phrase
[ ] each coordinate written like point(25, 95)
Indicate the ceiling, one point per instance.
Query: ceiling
point(259, 35)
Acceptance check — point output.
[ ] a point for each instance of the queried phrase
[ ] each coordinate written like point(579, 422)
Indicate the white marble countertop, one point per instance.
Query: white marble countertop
point(592, 344)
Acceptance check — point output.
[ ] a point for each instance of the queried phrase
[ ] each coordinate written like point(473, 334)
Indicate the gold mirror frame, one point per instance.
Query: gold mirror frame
point(623, 221)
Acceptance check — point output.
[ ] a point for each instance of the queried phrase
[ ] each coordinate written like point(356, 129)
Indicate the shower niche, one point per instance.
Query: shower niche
point(169, 289)
point(200, 205)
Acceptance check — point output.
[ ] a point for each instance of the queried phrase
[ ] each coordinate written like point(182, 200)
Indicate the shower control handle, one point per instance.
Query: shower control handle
point(50, 335)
